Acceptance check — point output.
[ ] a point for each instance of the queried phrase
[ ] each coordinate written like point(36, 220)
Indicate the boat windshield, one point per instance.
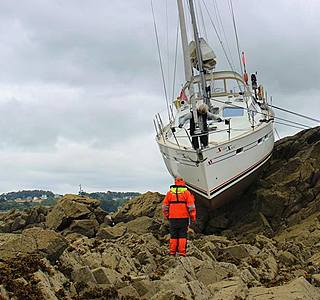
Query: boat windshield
point(225, 86)
point(221, 83)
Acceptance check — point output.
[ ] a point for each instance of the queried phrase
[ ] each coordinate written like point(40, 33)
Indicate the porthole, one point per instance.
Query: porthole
point(239, 150)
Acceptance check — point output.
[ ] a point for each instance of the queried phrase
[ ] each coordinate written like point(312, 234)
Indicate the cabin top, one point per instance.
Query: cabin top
point(222, 83)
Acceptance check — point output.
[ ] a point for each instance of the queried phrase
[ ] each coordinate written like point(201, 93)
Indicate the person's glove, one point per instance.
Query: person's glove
point(180, 125)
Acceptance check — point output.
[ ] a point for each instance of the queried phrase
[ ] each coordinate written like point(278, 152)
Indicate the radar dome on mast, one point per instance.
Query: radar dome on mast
point(208, 56)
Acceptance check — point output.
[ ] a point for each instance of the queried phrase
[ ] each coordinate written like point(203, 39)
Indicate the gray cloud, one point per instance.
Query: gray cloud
point(80, 83)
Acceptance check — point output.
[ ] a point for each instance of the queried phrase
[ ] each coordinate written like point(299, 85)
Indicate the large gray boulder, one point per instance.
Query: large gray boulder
point(115, 232)
point(287, 191)
point(240, 251)
point(34, 240)
point(85, 227)
point(299, 288)
point(44, 286)
point(292, 178)
point(210, 272)
point(106, 276)
point(143, 225)
point(16, 221)
point(148, 204)
point(229, 289)
point(69, 208)
point(83, 275)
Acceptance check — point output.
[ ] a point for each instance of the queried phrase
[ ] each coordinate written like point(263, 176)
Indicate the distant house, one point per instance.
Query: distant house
point(44, 197)
point(19, 200)
point(37, 200)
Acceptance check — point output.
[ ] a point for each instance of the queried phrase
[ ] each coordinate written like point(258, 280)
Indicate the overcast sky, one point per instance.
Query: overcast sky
point(80, 83)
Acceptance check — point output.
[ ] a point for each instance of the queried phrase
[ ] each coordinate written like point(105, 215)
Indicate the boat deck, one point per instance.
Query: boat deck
point(218, 131)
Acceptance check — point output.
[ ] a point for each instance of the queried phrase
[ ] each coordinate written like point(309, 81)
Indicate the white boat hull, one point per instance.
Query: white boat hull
point(226, 169)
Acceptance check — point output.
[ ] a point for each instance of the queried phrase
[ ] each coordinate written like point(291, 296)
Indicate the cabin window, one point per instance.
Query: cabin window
point(260, 141)
point(239, 150)
point(234, 86)
point(218, 86)
point(232, 112)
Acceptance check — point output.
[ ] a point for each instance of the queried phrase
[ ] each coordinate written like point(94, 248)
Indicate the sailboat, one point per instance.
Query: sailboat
point(219, 160)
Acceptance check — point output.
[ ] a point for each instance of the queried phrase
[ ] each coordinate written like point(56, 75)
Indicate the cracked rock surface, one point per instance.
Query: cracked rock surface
point(266, 246)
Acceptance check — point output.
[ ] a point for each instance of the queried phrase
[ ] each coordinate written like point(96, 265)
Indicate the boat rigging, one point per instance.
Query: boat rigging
point(219, 158)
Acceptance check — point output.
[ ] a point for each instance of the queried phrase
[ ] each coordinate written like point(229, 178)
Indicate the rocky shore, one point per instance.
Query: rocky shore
point(264, 246)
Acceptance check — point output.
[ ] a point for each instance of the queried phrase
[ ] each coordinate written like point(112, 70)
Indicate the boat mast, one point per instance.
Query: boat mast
point(186, 57)
point(184, 39)
point(199, 54)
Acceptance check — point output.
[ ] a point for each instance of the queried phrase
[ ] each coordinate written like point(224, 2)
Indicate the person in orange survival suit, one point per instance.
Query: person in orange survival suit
point(178, 207)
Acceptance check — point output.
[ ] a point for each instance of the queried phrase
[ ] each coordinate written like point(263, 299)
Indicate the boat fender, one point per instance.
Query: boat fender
point(245, 77)
point(260, 92)
point(177, 103)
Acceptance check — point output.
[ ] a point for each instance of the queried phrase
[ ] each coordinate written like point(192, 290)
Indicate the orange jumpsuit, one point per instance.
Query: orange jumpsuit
point(178, 207)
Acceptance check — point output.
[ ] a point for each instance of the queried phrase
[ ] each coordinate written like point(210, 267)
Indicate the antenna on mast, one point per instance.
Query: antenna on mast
point(81, 191)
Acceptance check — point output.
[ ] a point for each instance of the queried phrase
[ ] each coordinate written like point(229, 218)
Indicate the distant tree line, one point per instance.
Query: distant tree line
point(7, 200)
point(111, 201)
point(25, 194)
point(112, 195)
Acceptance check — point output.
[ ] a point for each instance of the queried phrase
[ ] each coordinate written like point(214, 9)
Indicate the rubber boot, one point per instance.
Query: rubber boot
point(173, 246)
point(182, 247)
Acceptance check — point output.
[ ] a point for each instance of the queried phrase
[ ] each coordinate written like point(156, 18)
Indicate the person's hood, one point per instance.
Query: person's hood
point(179, 181)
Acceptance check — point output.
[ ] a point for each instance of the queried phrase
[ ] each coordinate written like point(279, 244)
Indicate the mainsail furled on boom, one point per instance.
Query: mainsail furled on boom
point(208, 57)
